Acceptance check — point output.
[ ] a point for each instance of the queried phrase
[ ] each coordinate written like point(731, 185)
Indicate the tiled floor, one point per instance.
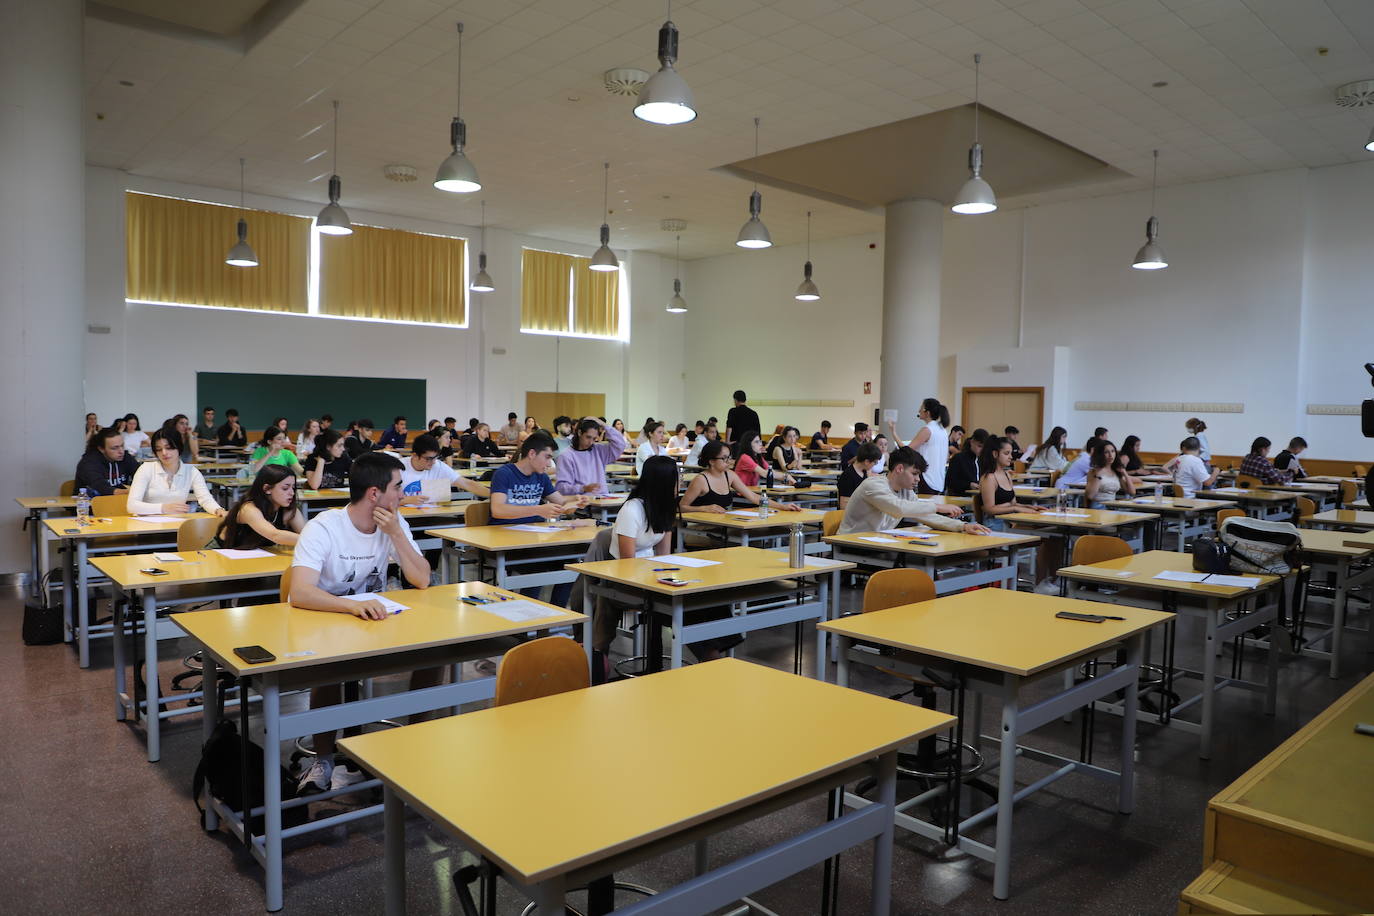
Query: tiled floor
point(90, 827)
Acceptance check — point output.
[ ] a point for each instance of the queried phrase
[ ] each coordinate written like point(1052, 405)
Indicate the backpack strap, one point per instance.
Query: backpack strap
point(197, 787)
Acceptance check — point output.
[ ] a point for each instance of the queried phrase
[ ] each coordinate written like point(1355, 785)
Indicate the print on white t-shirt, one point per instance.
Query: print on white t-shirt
point(349, 562)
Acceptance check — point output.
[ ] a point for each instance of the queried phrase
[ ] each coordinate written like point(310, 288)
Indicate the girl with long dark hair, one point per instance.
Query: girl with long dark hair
point(268, 514)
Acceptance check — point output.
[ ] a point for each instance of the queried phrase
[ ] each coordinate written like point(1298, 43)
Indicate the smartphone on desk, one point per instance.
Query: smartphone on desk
point(153, 571)
point(254, 655)
point(1084, 618)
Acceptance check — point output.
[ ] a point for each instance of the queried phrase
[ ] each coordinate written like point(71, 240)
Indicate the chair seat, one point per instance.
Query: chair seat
point(914, 679)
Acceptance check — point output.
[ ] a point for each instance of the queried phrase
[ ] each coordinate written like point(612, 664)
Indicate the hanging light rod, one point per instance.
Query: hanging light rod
point(457, 173)
point(482, 282)
point(754, 234)
point(677, 305)
point(333, 219)
point(976, 195)
point(604, 258)
point(666, 98)
point(1151, 256)
point(242, 254)
point(807, 291)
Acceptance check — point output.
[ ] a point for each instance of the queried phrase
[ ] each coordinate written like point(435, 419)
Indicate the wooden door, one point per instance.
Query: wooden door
point(545, 405)
point(995, 409)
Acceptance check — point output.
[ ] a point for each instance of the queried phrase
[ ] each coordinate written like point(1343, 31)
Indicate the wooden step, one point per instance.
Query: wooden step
point(1224, 888)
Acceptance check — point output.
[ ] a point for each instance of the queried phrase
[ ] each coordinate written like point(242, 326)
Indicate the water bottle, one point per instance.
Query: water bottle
point(768, 480)
point(83, 506)
point(795, 557)
point(1159, 493)
point(1058, 500)
point(763, 504)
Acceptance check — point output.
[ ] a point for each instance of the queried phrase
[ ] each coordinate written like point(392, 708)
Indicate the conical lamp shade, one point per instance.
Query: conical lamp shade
point(482, 282)
point(1150, 257)
point(604, 259)
point(457, 174)
point(666, 99)
point(975, 197)
point(242, 254)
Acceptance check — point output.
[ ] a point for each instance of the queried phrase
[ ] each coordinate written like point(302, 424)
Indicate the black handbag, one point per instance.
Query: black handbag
point(1210, 555)
point(42, 616)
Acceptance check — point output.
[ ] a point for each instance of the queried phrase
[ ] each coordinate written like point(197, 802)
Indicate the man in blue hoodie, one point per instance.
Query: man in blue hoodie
point(105, 469)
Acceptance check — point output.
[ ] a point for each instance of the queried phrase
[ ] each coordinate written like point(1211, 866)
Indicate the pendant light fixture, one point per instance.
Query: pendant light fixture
point(457, 173)
point(677, 305)
point(807, 291)
point(333, 219)
point(976, 195)
point(666, 98)
point(482, 282)
point(754, 234)
point(1369, 144)
point(605, 258)
point(1150, 256)
point(241, 255)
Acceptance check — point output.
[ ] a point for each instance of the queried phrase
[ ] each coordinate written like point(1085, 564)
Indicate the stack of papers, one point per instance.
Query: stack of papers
point(1209, 578)
point(1065, 514)
point(243, 554)
point(520, 611)
point(679, 560)
point(878, 539)
point(167, 558)
point(392, 607)
point(747, 513)
point(157, 519)
point(542, 529)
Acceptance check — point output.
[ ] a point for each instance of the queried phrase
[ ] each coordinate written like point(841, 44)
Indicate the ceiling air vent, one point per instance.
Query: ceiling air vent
point(625, 81)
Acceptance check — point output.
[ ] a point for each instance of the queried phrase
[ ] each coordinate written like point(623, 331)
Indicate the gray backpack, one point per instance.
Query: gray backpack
point(1259, 546)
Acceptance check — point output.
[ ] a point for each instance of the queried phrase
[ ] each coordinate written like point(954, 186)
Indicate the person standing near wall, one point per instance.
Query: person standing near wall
point(931, 443)
point(741, 418)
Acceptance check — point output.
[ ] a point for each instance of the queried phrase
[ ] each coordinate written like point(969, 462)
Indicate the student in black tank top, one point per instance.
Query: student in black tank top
point(267, 516)
point(996, 490)
point(702, 494)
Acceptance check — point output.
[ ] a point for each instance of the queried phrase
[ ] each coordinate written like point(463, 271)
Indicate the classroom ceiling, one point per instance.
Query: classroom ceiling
point(1247, 90)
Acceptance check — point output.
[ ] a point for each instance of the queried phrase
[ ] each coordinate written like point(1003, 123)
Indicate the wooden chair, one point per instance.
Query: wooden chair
point(109, 506)
point(894, 587)
point(1018, 467)
point(477, 513)
point(195, 533)
point(830, 523)
point(1224, 514)
point(68, 488)
point(1360, 470)
point(1095, 548)
point(1350, 492)
point(1248, 482)
point(1305, 507)
point(284, 589)
point(1178, 491)
point(541, 668)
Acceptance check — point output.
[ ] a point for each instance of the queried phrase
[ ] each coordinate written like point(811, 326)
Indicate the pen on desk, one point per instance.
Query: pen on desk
point(668, 569)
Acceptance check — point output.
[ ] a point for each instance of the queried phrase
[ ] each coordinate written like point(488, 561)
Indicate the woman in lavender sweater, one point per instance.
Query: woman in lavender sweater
point(582, 468)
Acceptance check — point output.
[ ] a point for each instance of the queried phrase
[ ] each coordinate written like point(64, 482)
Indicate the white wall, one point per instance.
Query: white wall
point(1030, 367)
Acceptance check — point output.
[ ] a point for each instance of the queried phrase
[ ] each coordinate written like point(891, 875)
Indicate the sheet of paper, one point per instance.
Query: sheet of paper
point(519, 611)
point(539, 528)
point(676, 559)
point(878, 540)
point(392, 607)
point(1003, 534)
point(1234, 581)
point(167, 558)
point(1069, 514)
point(157, 519)
point(889, 415)
point(1227, 490)
point(243, 554)
point(1171, 575)
point(746, 513)
point(912, 534)
point(822, 562)
point(343, 490)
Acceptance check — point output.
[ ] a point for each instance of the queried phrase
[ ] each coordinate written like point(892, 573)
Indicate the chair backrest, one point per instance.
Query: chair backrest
point(830, 523)
point(1350, 491)
point(477, 513)
point(895, 587)
point(1094, 548)
point(1248, 482)
point(1054, 477)
point(1178, 491)
point(68, 488)
point(541, 668)
point(1360, 470)
point(1018, 467)
point(195, 533)
point(107, 506)
point(284, 587)
point(1224, 514)
point(1306, 507)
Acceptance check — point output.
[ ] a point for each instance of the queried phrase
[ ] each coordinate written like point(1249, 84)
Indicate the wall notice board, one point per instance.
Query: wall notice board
point(260, 397)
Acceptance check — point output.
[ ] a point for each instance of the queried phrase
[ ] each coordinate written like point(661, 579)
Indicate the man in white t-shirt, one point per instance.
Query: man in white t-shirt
point(1190, 473)
point(345, 552)
point(423, 464)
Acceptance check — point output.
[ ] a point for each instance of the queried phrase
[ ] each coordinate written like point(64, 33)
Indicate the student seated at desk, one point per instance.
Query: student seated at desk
point(273, 450)
point(1049, 455)
point(481, 444)
point(523, 494)
point(996, 489)
point(92, 427)
point(582, 468)
point(106, 468)
point(178, 429)
point(395, 436)
point(1287, 460)
point(562, 435)
point(445, 439)
point(305, 442)
point(162, 487)
point(709, 433)
point(231, 433)
point(1189, 471)
point(1107, 478)
point(344, 552)
point(862, 434)
point(1010, 434)
point(1130, 454)
point(784, 451)
point(751, 464)
point(880, 503)
point(857, 471)
point(821, 438)
point(510, 433)
point(206, 430)
point(134, 436)
point(650, 445)
point(359, 441)
point(531, 427)
point(1257, 464)
point(961, 474)
point(716, 487)
point(679, 437)
point(1077, 471)
point(268, 514)
point(423, 464)
point(327, 467)
point(956, 441)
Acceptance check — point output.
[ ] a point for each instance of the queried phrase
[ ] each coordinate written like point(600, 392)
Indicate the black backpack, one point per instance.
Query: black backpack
point(220, 767)
point(1211, 555)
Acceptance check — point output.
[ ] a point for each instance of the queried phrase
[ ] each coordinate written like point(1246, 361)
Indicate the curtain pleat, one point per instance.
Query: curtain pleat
point(544, 290)
point(596, 305)
point(394, 274)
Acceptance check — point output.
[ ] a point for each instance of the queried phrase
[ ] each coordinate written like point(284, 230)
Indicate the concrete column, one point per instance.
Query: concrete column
point(42, 253)
point(913, 244)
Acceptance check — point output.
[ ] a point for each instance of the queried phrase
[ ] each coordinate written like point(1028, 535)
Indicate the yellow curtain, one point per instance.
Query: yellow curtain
point(389, 273)
point(544, 290)
point(596, 304)
point(176, 248)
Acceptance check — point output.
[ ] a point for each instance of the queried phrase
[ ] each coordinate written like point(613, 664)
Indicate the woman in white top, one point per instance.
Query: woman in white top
point(931, 443)
point(1049, 455)
point(651, 445)
point(134, 436)
point(305, 442)
point(1107, 477)
point(161, 487)
point(679, 439)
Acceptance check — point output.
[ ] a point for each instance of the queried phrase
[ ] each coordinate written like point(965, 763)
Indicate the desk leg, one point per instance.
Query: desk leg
point(152, 703)
point(35, 539)
point(588, 607)
point(829, 598)
point(842, 644)
point(882, 843)
point(549, 895)
point(1125, 795)
point(83, 620)
point(394, 818)
point(445, 558)
point(1006, 788)
point(743, 537)
point(675, 654)
point(271, 781)
point(121, 675)
point(210, 712)
point(1271, 691)
point(501, 568)
point(1338, 614)
point(1209, 680)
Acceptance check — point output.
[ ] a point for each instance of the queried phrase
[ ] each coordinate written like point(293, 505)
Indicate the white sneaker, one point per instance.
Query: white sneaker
point(485, 667)
point(1048, 587)
point(345, 776)
point(316, 779)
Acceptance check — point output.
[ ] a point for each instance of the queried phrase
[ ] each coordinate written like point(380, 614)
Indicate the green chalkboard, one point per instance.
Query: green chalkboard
point(259, 398)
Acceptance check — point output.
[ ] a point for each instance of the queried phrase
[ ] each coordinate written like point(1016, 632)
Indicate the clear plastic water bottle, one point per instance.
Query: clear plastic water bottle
point(1058, 499)
point(83, 506)
point(763, 504)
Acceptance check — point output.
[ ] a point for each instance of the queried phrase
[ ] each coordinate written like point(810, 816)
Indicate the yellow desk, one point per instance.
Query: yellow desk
point(1349, 564)
point(744, 526)
point(817, 495)
point(1325, 495)
point(664, 789)
point(1024, 494)
point(199, 577)
point(999, 643)
point(38, 508)
point(1134, 577)
point(101, 535)
point(1343, 519)
point(953, 560)
point(519, 559)
point(1070, 523)
point(1190, 517)
point(1268, 504)
point(314, 648)
point(759, 587)
point(605, 508)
